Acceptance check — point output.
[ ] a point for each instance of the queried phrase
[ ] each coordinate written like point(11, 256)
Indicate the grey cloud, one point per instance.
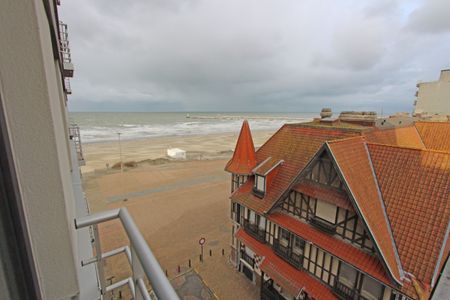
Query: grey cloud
point(431, 17)
point(247, 55)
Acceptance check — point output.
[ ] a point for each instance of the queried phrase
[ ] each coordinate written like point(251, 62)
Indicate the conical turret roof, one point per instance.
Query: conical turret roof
point(244, 156)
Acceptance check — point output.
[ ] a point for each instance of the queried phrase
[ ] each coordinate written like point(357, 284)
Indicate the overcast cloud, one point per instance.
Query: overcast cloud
point(260, 55)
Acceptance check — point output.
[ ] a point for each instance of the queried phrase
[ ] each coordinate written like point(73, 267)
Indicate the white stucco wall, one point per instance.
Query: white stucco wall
point(32, 96)
point(434, 97)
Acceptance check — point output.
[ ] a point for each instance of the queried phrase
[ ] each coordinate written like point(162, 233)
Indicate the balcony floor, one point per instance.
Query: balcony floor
point(87, 274)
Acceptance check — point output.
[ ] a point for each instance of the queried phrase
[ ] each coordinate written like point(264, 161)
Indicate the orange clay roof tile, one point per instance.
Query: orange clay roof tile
point(403, 136)
point(353, 161)
point(435, 135)
point(295, 144)
point(415, 185)
point(244, 156)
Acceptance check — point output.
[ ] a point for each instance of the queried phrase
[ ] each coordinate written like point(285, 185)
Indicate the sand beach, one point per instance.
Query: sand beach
point(198, 147)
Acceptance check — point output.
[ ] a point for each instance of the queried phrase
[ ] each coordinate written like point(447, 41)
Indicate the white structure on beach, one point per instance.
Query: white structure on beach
point(176, 153)
point(433, 98)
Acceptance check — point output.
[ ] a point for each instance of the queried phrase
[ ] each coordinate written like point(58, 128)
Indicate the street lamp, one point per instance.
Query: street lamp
point(120, 153)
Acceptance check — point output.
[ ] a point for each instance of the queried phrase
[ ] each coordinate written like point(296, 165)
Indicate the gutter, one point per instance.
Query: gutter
point(441, 254)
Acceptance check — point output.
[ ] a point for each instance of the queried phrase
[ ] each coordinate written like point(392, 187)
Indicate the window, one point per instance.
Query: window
point(371, 289)
point(284, 237)
point(252, 217)
point(262, 222)
point(236, 212)
point(247, 272)
point(326, 211)
point(320, 264)
point(260, 183)
point(237, 181)
point(347, 275)
point(298, 246)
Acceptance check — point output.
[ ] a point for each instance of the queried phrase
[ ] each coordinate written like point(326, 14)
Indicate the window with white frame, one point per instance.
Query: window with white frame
point(260, 183)
point(326, 211)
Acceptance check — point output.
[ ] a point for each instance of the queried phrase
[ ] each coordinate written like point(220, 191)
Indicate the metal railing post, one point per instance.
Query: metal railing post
point(143, 290)
point(138, 272)
point(98, 255)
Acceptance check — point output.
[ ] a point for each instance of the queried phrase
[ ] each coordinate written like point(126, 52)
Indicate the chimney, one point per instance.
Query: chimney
point(364, 118)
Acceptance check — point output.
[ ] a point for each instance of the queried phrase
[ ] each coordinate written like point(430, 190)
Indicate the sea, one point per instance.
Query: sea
point(104, 126)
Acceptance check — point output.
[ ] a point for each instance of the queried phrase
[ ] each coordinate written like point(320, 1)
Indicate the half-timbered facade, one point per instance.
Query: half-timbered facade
point(328, 213)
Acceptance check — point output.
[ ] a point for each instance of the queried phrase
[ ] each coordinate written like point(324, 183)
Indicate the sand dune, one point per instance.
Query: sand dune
point(216, 146)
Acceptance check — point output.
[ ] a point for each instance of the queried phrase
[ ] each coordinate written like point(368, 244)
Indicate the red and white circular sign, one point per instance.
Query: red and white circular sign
point(202, 241)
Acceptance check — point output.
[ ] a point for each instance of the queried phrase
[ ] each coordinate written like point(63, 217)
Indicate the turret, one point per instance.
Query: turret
point(244, 158)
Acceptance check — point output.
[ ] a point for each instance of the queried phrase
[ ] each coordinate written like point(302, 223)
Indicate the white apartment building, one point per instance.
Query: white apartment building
point(433, 98)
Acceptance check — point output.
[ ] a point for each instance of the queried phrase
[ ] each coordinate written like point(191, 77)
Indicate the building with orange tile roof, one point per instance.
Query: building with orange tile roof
point(350, 212)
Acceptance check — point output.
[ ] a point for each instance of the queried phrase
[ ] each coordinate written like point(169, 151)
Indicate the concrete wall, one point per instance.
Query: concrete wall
point(32, 95)
point(434, 97)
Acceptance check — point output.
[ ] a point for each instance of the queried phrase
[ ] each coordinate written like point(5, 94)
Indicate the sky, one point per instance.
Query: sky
point(254, 55)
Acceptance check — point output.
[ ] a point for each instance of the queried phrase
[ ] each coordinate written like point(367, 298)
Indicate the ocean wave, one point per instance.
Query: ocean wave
point(92, 133)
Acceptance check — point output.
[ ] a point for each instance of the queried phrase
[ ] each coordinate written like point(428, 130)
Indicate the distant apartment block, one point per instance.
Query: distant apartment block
point(433, 98)
point(342, 209)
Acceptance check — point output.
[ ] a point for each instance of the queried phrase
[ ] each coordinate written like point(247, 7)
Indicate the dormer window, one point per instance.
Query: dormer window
point(260, 183)
point(265, 173)
point(259, 189)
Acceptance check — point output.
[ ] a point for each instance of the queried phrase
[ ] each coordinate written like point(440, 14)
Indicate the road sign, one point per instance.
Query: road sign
point(201, 241)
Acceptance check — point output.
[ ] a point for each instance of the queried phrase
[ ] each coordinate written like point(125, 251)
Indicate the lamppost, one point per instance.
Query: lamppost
point(120, 152)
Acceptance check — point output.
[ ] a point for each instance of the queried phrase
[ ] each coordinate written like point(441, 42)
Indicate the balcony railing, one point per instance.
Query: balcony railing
point(343, 292)
point(143, 262)
point(67, 86)
point(74, 134)
point(255, 231)
point(64, 50)
point(269, 293)
point(285, 252)
point(323, 225)
point(248, 259)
